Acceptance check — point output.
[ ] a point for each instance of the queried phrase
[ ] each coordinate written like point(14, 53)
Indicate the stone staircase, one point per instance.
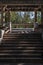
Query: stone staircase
point(21, 48)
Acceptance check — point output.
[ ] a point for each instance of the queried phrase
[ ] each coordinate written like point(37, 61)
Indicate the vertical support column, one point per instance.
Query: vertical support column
point(42, 27)
point(2, 21)
point(10, 21)
point(7, 18)
point(3, 16)
point(0, 24)
point(35, 15)
point(42, 22)
point(35, 28)
point(0, 17)
point(42, 14)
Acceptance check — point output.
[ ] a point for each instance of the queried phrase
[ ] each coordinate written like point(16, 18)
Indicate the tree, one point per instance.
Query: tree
point(39, 17)
point(13, 16)
point(19, 17)
point(26, 17)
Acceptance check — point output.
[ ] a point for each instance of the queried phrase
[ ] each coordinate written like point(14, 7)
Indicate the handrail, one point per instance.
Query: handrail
point(22, 23)
point(25, 25)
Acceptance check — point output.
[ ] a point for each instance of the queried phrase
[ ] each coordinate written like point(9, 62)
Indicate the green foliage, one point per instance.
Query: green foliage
point(13, 16)
point(26, 17)
point(39, 17)
point(19, 17)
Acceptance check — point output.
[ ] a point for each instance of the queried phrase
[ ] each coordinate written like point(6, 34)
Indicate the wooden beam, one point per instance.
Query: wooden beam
point(21, 4)
point(19, 7)
point(21, 1)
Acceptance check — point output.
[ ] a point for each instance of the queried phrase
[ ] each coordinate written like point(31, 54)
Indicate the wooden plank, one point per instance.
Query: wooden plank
point(21, 7)
point(22, 1)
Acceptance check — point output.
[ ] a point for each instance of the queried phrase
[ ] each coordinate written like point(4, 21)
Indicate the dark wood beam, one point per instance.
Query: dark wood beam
point(21, 1)
point(22, 8)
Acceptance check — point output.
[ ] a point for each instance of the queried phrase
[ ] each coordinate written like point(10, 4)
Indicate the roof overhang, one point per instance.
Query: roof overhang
point(22, 5)
point(21, 2)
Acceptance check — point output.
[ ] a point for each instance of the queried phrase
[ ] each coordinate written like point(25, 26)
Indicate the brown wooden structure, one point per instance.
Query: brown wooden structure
point(21, 47)
point(20, 5)
point(24, 25)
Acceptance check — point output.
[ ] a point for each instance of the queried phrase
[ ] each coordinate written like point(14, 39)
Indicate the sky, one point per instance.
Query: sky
point(32, 14)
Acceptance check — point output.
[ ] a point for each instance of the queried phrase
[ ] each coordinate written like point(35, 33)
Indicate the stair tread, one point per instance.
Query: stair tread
point(20, 42)
point(22, 53)
point(21, 58)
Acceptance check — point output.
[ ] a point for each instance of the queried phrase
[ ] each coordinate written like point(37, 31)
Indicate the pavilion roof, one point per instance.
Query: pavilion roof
point(22, 5)
point(21, 2)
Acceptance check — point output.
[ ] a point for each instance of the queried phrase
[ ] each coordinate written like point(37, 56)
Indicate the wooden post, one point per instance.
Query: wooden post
point(35, 20)
point(3, 16)
point(36, 16)
point(8, 18)
point(42, 14)
point(0, 17)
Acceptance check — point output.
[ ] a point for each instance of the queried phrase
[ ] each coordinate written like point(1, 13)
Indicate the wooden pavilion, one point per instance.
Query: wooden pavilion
point(22, 47)
point(20, 5)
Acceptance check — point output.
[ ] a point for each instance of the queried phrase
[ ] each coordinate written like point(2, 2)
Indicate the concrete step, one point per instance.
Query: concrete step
point(21, 58)
point(37, 44)
point(22, 47)
point(19, 54)
point(20, 63)
point(21, 37)
point(12, 50)
point(24, 60)
point(19, 41)
point(30, 34)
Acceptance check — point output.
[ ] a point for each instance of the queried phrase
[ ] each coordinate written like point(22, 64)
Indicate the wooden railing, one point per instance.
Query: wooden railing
point(22, 25)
